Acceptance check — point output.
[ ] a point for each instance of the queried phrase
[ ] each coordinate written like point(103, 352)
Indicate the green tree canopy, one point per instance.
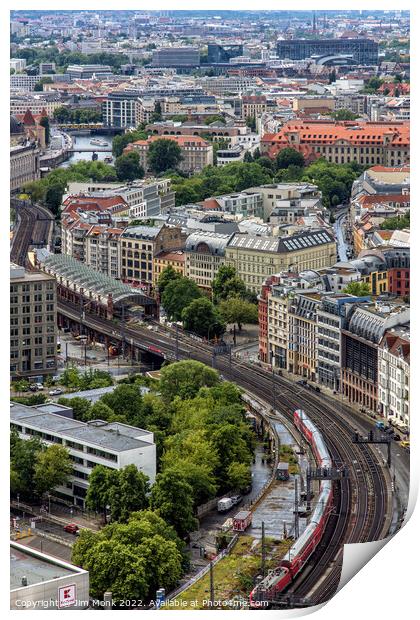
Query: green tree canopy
point(164, 154)
point(172, 498)
point(131, 559)
point(168, 275)
point(239, 476)
point(226, 284)
point(289, 157)
point(203, 318)
point(178, 294)
point(128, 167)
point(184, 379)
point(359, 289)
point(52, 468)
point(239, 311)
point(120, 142)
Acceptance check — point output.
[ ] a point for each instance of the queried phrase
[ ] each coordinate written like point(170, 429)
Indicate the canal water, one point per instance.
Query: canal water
point(84, 141)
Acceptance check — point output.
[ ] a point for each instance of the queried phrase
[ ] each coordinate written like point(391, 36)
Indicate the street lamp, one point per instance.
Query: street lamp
point(18, 496)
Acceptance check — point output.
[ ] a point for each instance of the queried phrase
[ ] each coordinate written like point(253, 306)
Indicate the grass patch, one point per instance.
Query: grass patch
point(233, 576)
point(286, 454)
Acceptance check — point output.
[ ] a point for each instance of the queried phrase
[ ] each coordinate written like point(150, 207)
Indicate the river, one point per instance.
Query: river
point(84, 142)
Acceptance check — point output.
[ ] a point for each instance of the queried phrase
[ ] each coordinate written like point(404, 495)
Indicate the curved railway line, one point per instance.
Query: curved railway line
point(35, 225)
point(361, 501)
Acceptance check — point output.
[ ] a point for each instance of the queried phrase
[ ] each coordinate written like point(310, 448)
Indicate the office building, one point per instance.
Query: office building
point(223, 53)
point(196, 152)
point(111, 444)
point(33, 323)
point(394, 375)
point(362, 51)
point(176, 57)
point(120, 110)
point(205, 253)
point(85, 72)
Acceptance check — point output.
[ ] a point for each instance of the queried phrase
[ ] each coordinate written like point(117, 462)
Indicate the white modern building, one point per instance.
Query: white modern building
point(113, 445)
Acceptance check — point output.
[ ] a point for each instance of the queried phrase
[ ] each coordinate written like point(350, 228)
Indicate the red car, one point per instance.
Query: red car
point(71, 528)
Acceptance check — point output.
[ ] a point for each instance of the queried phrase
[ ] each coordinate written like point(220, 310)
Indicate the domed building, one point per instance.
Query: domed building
point(17, 131)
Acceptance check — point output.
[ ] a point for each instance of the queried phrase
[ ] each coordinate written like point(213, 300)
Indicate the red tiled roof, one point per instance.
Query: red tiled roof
point(181, 140)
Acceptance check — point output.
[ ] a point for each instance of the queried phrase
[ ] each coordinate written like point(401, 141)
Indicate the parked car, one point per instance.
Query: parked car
point(405, 444)
point(236, 499)
point(302, 382)
point(55, 392)
point(396, 437)
point(71, 528)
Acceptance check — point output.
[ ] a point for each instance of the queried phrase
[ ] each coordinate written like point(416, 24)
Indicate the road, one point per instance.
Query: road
point(339, 233)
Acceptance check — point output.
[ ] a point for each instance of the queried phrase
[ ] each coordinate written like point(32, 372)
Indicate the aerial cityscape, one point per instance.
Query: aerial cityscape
point(209, 303)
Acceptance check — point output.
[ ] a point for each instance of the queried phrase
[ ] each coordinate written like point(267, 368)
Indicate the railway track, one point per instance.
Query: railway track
point(34, 229)
point(360, 502)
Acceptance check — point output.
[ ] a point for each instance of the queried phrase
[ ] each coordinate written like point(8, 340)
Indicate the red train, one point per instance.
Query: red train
point(279, 578)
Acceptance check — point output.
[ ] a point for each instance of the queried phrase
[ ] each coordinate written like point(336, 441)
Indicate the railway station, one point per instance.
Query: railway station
point(95, 293)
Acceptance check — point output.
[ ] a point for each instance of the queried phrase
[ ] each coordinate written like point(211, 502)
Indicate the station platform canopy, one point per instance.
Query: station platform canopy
point(92, 281)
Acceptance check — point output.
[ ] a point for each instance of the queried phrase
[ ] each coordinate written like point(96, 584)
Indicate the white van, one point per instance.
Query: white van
point(225, 504)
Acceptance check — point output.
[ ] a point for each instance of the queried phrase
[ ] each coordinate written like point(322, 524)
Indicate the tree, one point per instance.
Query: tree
point(23, 455)
point(131, 559)
point(128, 493)
point(45, 122)
point(126, 401)
point(172, 498)
point(97, 496)
point(344, 115)
point(157, 114)
point(168, 275)
point(265, 162)
point(52, 468)
point(35, 190)
point(289, 157)
point(71, 378)
point(332, 77)
point(226, 283)
point(80, 406)
point(237, 310)
point(239, 476)
point(230, 447)
point(177, 295)
point(120, 142)
point(357, 288)
point(54, 197)
point(39, 86)
point(202, 318)
point(184, 379)
point(128, 167)
point(251, 123)
point(164, 154)
point(100, 411)
point(214, 118)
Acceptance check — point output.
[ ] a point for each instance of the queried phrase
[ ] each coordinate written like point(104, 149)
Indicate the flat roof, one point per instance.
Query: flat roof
point(35, 567)
point(98, 432)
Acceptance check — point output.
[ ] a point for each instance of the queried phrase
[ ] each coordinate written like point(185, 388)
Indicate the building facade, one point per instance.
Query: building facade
point(256, 257)
point(196, 152)
point(113, 445)
point(394, 376)
point(363, 51)
point(205, 253)
point(33, 323)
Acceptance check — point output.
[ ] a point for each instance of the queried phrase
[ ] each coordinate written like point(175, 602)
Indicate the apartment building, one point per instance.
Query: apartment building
point(205, 253)
point(33, 323)
point(175, 259)
point(145, 197)
point(85, 72)
point(196, 152)
point(275, 192)
point(367, 143)
point(253, 106)
point(302, 358)
point(256, 257)
point(245, 204)
point(37, 104)
point(394, 375)
point(120, 110)
point(361, 335)
point(113, 445)
point(139, 246)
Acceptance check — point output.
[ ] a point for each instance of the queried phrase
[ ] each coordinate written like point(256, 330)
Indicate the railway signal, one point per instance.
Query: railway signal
point(372, 438)
point(322, 473)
